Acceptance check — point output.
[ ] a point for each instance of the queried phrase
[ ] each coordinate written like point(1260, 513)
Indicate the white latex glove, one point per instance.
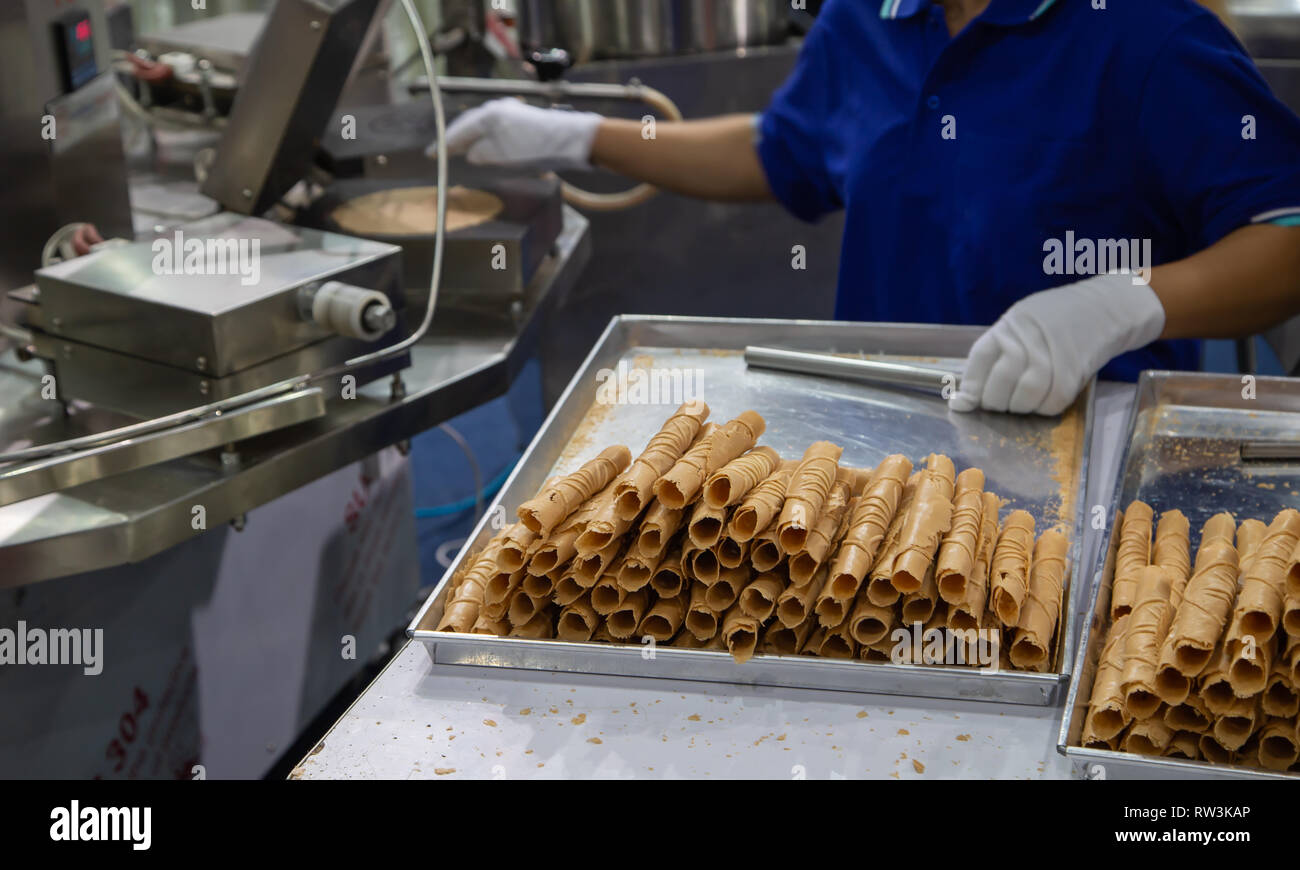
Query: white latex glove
point(1039, 355)
point(510, 133)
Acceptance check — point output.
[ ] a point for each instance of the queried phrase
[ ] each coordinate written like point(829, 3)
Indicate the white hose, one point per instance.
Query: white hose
point(169, 421)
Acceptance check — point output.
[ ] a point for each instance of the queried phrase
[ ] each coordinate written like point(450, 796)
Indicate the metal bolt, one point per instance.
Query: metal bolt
point(315, 25)
point(56, 323)
point(67, 351)
point(201, 363)
point(229, 458)
point(248, 194)
point(382, 159)
point(397, 389)
point(203, 388)
point(238, 521)
point(404, 447)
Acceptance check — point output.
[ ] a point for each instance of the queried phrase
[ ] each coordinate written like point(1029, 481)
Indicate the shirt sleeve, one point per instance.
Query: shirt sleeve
point(794, 133)
point(1220, 149)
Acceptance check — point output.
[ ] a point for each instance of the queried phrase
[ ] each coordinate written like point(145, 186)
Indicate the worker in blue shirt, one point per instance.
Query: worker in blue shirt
point(1102, 180)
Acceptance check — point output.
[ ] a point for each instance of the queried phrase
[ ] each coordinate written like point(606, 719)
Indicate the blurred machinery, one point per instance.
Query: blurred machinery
point(231, 358)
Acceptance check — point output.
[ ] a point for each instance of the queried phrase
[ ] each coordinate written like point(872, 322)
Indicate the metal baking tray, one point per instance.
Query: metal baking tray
point(1038, 464)
point(1183, 451)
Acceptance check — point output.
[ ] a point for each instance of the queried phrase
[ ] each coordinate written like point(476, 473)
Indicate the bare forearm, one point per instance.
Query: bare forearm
point(712, 158)
point(1245, 283)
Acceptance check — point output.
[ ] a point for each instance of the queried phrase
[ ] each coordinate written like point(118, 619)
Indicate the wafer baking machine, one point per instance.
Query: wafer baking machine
point(226, 361)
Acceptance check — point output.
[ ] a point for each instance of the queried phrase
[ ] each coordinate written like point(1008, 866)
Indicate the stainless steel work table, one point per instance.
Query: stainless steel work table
point(419, 721)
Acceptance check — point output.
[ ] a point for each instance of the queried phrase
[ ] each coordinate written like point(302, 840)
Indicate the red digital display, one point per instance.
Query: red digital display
point(83, 30)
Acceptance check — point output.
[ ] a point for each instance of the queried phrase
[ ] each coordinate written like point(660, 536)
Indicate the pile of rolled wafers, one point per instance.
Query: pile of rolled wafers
point(708, 540)
point(1201, 660)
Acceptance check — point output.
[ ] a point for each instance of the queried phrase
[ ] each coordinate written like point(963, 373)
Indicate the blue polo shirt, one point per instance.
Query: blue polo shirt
point(975, 170)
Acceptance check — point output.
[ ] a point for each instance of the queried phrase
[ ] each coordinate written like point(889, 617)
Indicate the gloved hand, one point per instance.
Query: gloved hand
point(513, 134)
point(1042, 351)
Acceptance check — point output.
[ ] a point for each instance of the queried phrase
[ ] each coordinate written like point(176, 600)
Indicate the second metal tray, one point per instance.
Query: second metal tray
point(1183, 451)
point(1037, 464)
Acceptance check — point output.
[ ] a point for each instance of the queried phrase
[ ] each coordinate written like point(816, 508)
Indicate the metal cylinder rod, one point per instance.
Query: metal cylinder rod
point(931, 380)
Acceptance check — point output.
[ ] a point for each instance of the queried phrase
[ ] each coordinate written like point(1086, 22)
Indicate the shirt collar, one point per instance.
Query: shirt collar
point(1009, 12)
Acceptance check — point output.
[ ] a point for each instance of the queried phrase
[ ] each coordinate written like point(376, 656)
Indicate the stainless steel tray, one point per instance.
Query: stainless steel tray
point(1183, 451)
point(1038, 464)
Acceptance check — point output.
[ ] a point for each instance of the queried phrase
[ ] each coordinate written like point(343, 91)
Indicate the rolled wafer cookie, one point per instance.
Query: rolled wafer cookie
point(665, 617)
point(733, 481)
point(1203, 615)
point(868, 524)
point(1107, 713)
point(516, 547)
point(1184, 744)
point(837, 643)
point(929, 519)
point(658, 526)
point(1213, 685)
point(1147, 737)
point(701, 619)
point(540, 627)
point(462, 608)
point(762, 504)
point(1189, 715)
point(633, 489)
point(625, 618)
point(1134, 554)
point(1010, 568)
point(1293, 572)
point(545, 511)
point(809, 486)
point(682, 483)
point(920, 605)
point(577, 620)
point(1032, 646)
point(796, 603)
point(759, 598)
point(969, 613)
point(706, 525)
point(568, 590)
point(591, 567)
point(868, 623)
point(1280, 697)
point(486, 625)
point(817, 546)
point(741, 632)
point(880, 586)
point(731, 553)
point(1263, 585)
point(960, 546)
point(705, 567)
point(1215, 752)
point(1279, 748)
point(723, 593)
point(1233, 728)
point(606, 594)
point(1172, 551)
point(1148, 623)
point(602, 525)
point(1250, 666)
point(765, 552)
point(500, 587)
point(669, 579)
point(784, 640)
point(637, 569)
